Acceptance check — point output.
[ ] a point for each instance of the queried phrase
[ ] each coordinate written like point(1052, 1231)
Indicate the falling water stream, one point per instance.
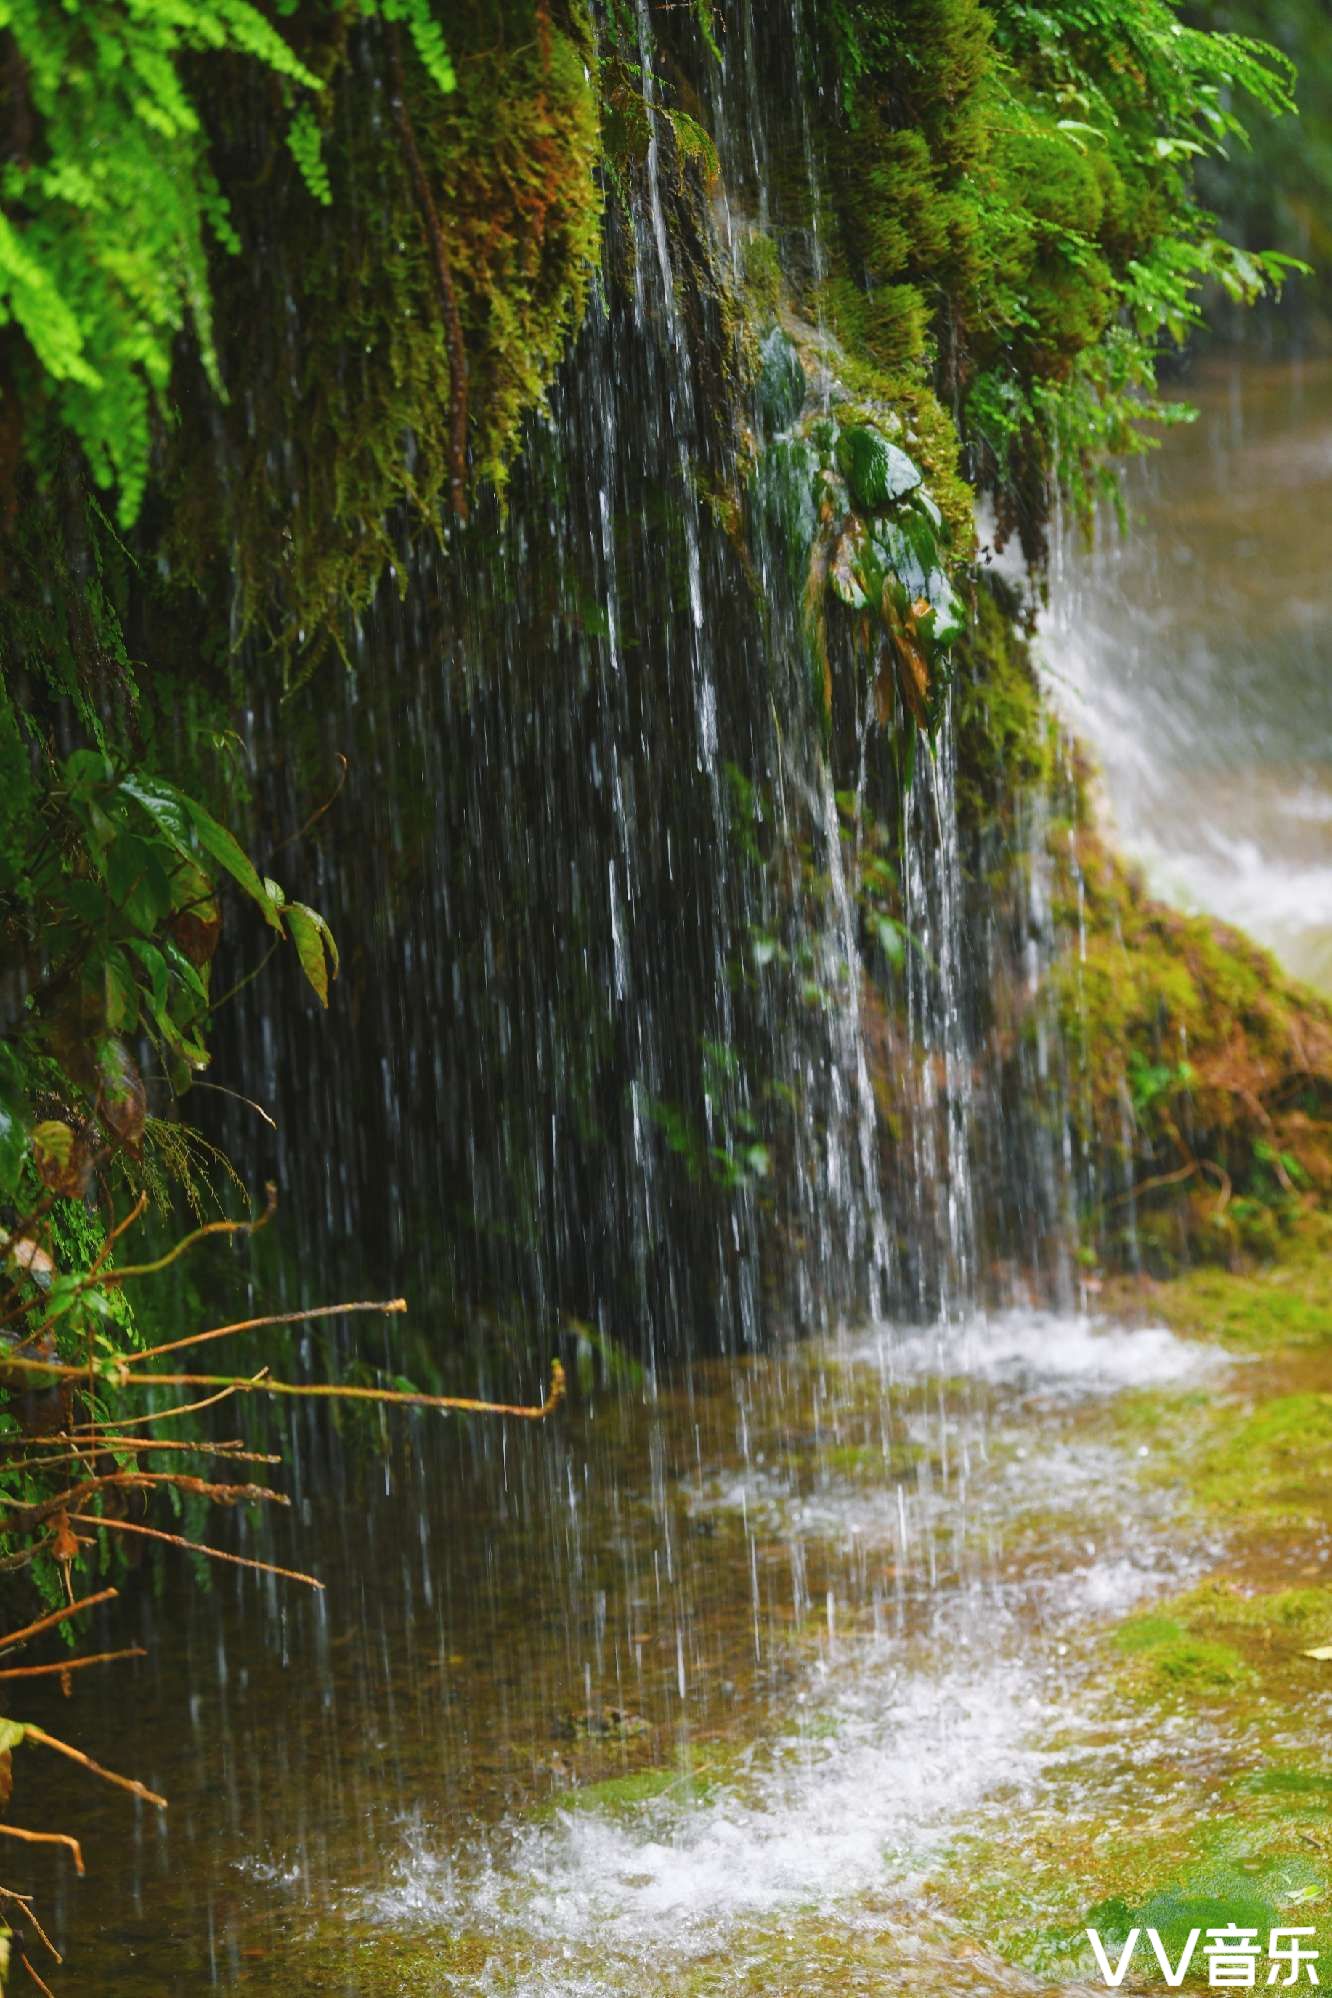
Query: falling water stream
point(702, 1675)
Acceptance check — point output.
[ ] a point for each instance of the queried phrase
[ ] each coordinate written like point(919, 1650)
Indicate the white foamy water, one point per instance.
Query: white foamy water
point(854, 1806)
point(1041, 1352)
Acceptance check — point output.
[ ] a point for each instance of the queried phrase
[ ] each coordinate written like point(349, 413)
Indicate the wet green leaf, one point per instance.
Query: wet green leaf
point(315, 947)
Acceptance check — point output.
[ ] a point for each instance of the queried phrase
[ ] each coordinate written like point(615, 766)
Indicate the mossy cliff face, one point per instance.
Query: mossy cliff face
point(336, 338)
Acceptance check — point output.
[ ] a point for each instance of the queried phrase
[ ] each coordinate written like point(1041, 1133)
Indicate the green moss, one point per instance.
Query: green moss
point(762, 275)
point(626, 1793)
point(1276, 1461)
point(1200, 1074)
point(1286, 1302)
point(1007, 740)
point(1168, 1663)
point(363, 409)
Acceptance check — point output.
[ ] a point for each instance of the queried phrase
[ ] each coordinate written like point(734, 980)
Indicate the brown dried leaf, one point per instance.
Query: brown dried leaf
point(197, 932)
point(123, 1101)
point(64, 1546)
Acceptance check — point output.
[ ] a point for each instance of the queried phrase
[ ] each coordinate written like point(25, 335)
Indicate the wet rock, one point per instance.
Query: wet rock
point(601, 1724)
point(876, 471)
point(846, 570)
point(781, 383)
point(949, 620)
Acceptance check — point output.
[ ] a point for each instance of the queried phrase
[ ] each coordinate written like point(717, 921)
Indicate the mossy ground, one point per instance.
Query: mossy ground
point(1199, 1791)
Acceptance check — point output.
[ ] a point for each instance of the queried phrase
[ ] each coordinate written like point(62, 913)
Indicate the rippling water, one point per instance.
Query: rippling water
point(1193, 654)
point(696, 1678)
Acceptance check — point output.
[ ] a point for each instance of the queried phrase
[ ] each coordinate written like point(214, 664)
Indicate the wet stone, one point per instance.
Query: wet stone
point(781, 383)
point(876, 471)
point(601, 1724)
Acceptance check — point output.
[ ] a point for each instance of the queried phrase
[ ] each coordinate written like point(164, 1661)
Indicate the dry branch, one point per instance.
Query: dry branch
point(100, 1429)
point(31, 1732)
point(392, 1304)
point(63, 1665)
point(39, 1981)
point(231, 1451)
point(193, 1547)
point(17, 1637)
point(25, 1902)
point(46, 1838)
point(395, 1397)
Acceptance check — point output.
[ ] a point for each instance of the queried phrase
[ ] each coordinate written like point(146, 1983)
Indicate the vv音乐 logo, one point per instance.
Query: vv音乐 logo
point(1233, 1956)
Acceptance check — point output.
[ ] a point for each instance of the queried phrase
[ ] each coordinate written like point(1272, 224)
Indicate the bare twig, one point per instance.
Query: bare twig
point(193, 1547)
point(237, 1096)
point(319, 810)
point(31, 1732)
point(17, 1637)
point(46, 1838)
point(165, 1414)
point(113, 1234)
point(63, 1665)
point(25, 1902)
point(121, 1376)
point(1152, 1185)
point(251, 1227)
point(231, 1451)
point(36, 1515)
point(395, 1397)
point(39, 1981)
point(389, 1305)
point(104, 1278)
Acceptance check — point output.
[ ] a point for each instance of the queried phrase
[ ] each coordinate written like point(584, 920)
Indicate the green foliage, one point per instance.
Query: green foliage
point(1014, 216)
point(1279, 189)
point(109, 899)
point(839, 497)
point(111, 204)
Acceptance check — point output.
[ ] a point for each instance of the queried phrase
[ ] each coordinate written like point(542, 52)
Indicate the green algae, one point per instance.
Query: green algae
point(627, 1793)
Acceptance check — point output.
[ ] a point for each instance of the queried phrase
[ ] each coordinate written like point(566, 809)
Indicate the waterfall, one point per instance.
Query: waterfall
point(569, 1074)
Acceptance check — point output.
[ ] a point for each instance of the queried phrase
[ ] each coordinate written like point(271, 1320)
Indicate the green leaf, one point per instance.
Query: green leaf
point(188, 826)
point(122, 996)
point(892, 941)
point(314, 946)
point(137, 881)
point(226, 850)
point(53, 1142)
point(12, 1734)
point(153, 962)
point(13, 1121)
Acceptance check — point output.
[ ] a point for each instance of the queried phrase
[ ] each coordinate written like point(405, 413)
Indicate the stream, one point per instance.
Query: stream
point(679, 1685)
